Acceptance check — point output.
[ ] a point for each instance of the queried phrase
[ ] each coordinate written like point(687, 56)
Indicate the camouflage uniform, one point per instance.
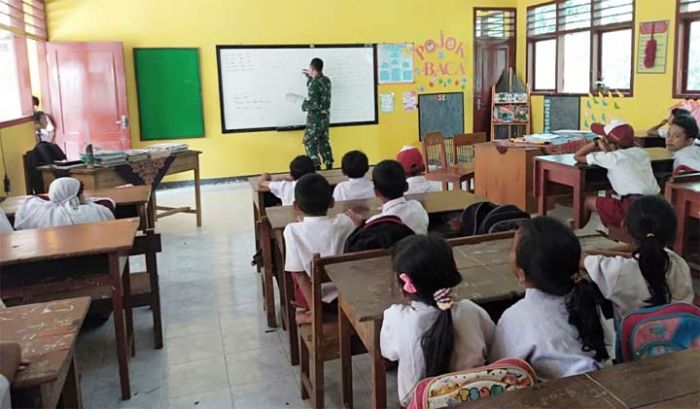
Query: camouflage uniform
point(318, 105)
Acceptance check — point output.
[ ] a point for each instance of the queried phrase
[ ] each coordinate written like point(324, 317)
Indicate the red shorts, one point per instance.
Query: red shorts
point(298, 294)
point(612, 211)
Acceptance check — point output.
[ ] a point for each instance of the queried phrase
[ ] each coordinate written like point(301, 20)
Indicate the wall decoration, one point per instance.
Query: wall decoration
point(440, 64)
point(395, 63)
point(386, 102)
point(653, 44)
point(410, 101)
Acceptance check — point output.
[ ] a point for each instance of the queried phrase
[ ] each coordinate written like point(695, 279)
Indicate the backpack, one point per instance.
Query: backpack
point(486, 217)
point(652, 331)
point(456, 388)
point(44, 153)
point(381, 233)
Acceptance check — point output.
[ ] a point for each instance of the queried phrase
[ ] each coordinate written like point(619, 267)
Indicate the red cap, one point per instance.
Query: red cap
point(410, 158)
point(616, 131)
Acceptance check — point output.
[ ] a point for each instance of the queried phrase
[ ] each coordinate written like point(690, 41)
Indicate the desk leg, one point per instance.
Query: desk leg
point(128, 312)
point(71, 396)
point(197, 193)
point(681, 206)
point(579, 197)
point(152, 269)
point(345, 357)
point(541, 189)
point(256, 226)
point(267, 273)
point(120, 336)
point(377, 367)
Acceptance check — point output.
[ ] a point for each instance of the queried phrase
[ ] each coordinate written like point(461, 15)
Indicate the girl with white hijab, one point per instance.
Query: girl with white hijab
point(63, 208)
point(5, 226)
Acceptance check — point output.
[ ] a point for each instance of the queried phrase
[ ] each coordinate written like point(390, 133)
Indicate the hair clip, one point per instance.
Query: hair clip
point(408, 286)
point(650, 235)
point(443, 298)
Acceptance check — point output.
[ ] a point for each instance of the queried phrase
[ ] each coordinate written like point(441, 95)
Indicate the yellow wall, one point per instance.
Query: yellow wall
point(652, 92)
point(205, 23)
point(16, 140)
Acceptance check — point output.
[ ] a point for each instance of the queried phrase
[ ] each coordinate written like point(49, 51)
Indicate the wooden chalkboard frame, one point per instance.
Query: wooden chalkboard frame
point(294, 128)
point(420, 137)
point(138, 94)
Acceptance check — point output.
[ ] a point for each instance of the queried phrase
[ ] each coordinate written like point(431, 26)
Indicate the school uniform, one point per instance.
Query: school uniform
point(318, 234)
point(404, 326)
point(284, 190)
point(411, 213)
point(663, 132)
point(687, 159)
point(621, 281)
point(418, 184)
point(630, 174)
point(354, 189)
point(5, 226)
point(5, 401)
point(537, 329)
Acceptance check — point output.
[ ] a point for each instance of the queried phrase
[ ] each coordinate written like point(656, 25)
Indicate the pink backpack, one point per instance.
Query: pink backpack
point(653, 331)
point(478, 383)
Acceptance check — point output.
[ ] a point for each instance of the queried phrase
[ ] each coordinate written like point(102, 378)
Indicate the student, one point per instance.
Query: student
point(556, 327)
point(658, 130)
point(5, 226)
point(433, 335)
point(652, 274)
point(629, 171)
point(389, 186)
point(43, 125)
point(354, 165)
point(315, 233)
point(62, 208)
point(681, 135)
point(283, 188)
point(412, 162)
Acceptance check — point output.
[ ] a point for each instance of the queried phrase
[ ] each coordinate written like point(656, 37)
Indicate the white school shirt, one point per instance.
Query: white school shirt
point(688, 156)
point(5, 226)
point(284, 190)
point(5, 402)
point(411, 213)
point(404, 326)
point(536, 329)
point(629, 171)
point(418, 184)
point(620, 280)
point(354, 189)
point(320, 234)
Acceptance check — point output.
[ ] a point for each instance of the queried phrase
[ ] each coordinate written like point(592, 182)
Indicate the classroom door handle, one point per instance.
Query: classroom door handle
point(123, 122)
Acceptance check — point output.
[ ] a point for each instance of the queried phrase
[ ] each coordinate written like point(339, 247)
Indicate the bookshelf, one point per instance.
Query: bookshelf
point(510, 107)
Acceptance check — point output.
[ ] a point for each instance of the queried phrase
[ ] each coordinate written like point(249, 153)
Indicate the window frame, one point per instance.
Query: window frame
point(681, 51)
point(595, 55)
point(20, 36)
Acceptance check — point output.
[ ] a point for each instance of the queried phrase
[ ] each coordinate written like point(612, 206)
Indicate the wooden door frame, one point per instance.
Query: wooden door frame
point(474, 40)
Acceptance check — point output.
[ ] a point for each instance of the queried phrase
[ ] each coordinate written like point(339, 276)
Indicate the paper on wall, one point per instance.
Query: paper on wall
point(387, 102)
point(410, 100)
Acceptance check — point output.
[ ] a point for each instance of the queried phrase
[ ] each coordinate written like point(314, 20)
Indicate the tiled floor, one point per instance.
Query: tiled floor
point(218, 350)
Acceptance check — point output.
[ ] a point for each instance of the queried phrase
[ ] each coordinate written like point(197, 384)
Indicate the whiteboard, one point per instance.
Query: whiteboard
point(254, 82)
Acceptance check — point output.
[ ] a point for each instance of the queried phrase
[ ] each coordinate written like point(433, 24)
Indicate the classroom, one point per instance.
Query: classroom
point(368, 204)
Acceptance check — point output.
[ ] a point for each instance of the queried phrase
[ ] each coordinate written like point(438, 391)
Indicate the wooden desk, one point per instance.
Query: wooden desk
point(685, 198)
point(554, 172)
point(131, 201)
point(101, 177)
point(666, 381)
point(455, 174)
point(46, 333)
point(366, 288)
point(71, 258)
point(279, 217)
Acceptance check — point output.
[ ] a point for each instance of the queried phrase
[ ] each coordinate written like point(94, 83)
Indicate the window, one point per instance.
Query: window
point(20, 20)
point(496, 24)
point(687, 67)
point(580, 46)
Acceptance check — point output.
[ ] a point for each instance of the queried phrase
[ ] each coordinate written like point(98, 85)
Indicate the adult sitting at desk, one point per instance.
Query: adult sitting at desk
point(63, 207)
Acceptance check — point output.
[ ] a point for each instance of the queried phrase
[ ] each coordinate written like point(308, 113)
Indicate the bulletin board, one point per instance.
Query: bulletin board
point(169, 90)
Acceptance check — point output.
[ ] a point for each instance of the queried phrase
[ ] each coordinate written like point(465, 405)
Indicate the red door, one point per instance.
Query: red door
point(494, 52)
point(88, 96)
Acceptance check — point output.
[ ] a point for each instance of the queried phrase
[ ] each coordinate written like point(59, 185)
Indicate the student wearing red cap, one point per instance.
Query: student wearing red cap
point(629, 171)
point(412, 161)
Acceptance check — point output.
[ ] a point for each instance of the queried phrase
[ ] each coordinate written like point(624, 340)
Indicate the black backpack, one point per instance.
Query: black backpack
point(486, 217)
point(380, 233)
point(44, 153)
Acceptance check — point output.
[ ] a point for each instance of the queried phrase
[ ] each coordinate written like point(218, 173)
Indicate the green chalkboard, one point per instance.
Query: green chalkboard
point(169, 93)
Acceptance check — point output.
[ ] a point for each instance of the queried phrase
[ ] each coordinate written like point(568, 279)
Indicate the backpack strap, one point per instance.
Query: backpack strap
point(383, 219)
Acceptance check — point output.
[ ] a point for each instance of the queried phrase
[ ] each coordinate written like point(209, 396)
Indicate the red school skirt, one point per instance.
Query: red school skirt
point(612, 211)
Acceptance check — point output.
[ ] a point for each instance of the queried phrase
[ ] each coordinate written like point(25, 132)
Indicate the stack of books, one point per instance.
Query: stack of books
point(107, 158)
point(169, 147)
point(133, 155)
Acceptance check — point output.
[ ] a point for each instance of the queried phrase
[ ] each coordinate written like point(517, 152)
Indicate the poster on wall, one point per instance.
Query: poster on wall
point(395, 63)
point(653, 44)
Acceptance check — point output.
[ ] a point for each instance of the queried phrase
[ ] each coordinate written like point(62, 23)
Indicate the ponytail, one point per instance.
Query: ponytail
point(653, 263)
point(437, 344)
point(582, 305)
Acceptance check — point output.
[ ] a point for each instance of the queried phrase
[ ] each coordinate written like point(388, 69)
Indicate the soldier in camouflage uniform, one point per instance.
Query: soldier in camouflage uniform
point(317, 106)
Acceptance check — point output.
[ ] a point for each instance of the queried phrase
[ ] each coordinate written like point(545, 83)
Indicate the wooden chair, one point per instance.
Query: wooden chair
point(434, 150)
point(319, 341)
point(463, 146)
